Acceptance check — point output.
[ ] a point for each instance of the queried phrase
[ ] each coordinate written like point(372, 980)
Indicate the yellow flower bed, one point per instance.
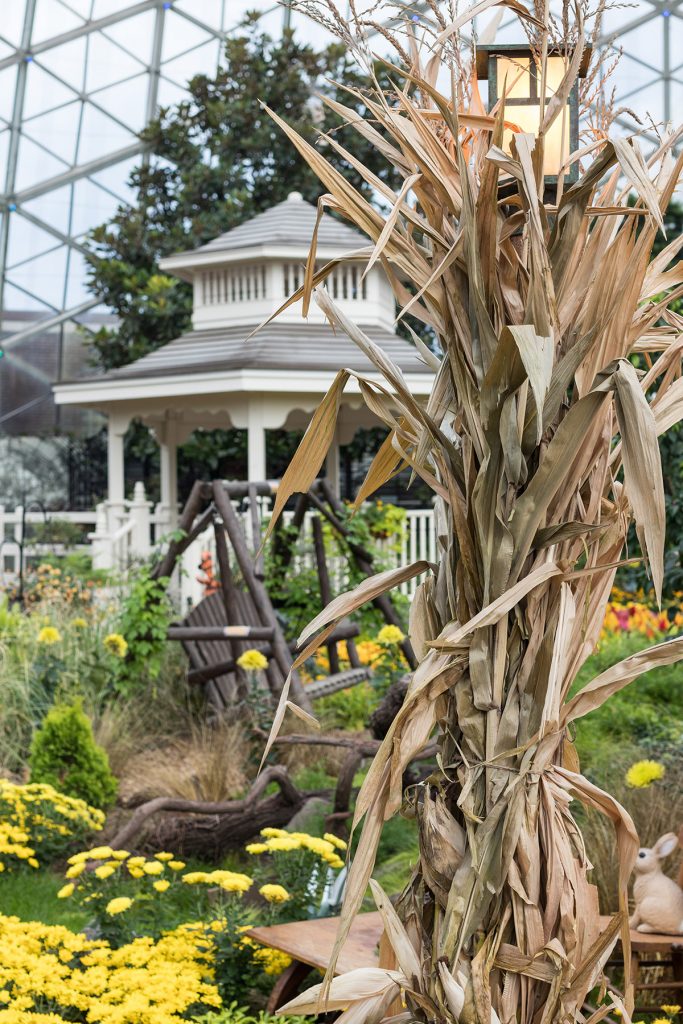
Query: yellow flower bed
point(38, 823)
point(50, 974)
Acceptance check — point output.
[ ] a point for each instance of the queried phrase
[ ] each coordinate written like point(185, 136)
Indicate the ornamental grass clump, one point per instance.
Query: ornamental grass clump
point(556, 365)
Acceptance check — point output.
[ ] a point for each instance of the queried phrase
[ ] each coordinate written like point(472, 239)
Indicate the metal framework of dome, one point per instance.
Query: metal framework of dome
point(72, 74)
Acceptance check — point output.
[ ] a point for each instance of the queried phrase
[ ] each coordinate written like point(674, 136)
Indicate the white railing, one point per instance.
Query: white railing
point(119, 536)
point(17, 528)
point(417, 541)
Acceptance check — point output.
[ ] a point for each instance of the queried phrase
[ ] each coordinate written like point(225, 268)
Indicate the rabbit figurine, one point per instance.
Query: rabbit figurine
point(659, 900)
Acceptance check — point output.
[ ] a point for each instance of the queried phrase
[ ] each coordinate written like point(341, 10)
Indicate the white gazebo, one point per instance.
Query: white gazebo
point(218, 376)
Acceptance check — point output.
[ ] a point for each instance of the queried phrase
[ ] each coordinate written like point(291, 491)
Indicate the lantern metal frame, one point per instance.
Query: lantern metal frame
point(487, 68)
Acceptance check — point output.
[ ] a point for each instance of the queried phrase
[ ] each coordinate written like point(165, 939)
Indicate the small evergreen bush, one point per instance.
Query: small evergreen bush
point(64, 754)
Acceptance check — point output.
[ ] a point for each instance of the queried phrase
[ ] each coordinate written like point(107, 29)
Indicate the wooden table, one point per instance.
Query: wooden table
point(310, 945)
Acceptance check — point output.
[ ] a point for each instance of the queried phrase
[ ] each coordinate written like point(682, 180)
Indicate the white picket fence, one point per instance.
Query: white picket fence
point(417, 541)
point(120, 537)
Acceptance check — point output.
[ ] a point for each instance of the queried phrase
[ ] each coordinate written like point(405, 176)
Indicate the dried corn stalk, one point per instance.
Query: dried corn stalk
point(540, 443)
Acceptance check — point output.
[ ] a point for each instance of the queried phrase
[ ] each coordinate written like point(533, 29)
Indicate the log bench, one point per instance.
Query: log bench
point(310, 945)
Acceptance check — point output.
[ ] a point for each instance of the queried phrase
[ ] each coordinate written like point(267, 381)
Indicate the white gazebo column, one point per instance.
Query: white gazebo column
point(168, 468)
point(256, 442)
point(116, 432)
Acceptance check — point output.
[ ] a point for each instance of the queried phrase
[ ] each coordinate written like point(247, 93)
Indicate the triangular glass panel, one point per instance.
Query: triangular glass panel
point(53, 207)
point(180, 35)
point(202, 60)
point(51, 19)
point(44, 92)
point(81, 7)
point(134, 34)
point(44, 277)
point(100, 135)
point(67, 62)
point(115, 179)
point(108, 63)
point(76, 288)
point(212, 12)
point(170, 93)
point(26, 240)
point(91, 206)
point(4, 145)
point(16, 300)
point(8, 79)
point(127, 101)
point(57, 131)
point(13, 23)
point(35, 165)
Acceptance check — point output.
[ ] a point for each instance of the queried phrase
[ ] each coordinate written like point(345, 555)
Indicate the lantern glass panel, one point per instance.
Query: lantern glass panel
point(555, 71)
point(556, 150)
point(514, 77)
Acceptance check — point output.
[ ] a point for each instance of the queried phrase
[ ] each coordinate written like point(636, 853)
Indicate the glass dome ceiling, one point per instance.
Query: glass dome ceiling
point(79, 79)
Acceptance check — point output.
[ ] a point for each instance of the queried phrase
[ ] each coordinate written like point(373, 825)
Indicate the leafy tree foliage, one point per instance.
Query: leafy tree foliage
point(216, 160)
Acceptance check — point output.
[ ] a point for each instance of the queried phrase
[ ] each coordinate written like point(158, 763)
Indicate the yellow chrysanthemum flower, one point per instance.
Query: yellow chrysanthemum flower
point(273, 833)
point(75, 870)
point(661, 1020)
point(275, 893)
point(390, 635)
point(164, 856)
point(671, 1010)
point(66, 891)
point(252, 661)
point(256, 848)
point(49, 635)
point(79, 623)
point(120, 854)
point(176, 865)
point(99, 853)
point(642, 774)
point(195, 877)
point(115, 644)
point(283, 844)
point(153, 867)
point(118, 905)
point(335, 840)
point(161, 885)
point(136, 862)
point(104, 871)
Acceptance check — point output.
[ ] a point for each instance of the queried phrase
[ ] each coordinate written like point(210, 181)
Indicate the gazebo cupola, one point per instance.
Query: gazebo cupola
point(241, 277)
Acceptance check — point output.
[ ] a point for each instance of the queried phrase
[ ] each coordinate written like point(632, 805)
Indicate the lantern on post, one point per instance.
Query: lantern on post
point(513, 68)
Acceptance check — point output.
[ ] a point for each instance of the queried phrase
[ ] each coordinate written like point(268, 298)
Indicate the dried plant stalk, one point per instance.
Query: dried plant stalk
point(540, 443)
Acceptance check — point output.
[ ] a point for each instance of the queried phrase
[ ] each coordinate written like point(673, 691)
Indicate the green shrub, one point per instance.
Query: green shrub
point(64, 755)
point(143, 624)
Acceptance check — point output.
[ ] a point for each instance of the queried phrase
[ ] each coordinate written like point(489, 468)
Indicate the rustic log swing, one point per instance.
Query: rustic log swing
point(225, 623)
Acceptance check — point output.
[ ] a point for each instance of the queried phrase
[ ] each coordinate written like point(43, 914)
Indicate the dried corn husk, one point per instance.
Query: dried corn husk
point(540, 443)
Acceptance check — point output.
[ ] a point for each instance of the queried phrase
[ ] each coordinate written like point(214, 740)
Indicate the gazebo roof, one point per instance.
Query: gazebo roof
point(277, 346)
point(290, 222)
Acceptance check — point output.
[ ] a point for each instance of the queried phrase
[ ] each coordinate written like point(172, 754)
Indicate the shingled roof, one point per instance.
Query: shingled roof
point(306, 346)
point(291, 222)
